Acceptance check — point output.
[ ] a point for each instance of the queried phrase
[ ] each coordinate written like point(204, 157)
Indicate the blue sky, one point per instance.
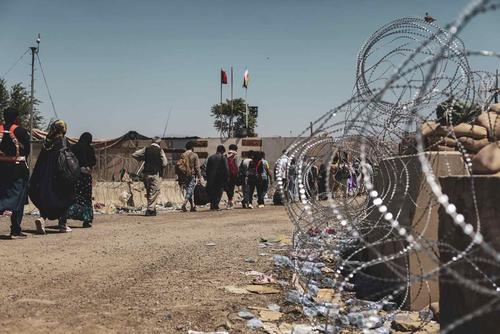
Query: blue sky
point(113, 66)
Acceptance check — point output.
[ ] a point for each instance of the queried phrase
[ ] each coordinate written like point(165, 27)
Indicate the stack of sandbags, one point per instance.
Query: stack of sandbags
point(436, 137)
point(441, 138)
point(491, 121)
point(473, 137)
point(487, 160)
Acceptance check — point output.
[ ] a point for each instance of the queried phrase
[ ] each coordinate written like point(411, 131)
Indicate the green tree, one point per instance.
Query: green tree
point(19, 98)
point(227, 118)
point(4, 97)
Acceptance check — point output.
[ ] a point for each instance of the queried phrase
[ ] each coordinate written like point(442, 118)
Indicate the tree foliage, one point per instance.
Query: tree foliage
point(19, 97)
point(226, 118)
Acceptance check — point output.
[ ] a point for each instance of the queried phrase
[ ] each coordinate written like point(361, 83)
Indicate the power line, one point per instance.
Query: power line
point(47, 86)
point(14, 65)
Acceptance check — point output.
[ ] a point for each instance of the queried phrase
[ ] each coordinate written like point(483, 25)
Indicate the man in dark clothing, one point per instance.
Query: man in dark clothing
point(14, 173)
point(217, 176)
point(233, 163)
point(154, 161)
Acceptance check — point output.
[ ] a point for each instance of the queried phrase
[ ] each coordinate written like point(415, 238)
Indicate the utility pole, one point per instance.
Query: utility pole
point(231, 134)
point(34, 51)
point(496, 86)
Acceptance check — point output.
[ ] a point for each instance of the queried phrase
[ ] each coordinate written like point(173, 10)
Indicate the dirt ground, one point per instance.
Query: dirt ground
point(134, 274)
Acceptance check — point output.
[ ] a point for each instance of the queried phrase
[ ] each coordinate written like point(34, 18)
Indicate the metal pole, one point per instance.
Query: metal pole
point(231, 134)
point(32, 106)
point(220, 116)
point(496, 86)
point(246, 110)
point(311, 126)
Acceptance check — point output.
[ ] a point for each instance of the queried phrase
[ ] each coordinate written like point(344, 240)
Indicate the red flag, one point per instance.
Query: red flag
point(223, 77)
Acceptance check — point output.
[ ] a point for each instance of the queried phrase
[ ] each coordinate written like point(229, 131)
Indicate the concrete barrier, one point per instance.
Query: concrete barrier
point(416, 210)
point(461, 298)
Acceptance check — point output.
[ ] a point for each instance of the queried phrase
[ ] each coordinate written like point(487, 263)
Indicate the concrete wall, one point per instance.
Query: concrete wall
point(408, 197)
point(462, 298)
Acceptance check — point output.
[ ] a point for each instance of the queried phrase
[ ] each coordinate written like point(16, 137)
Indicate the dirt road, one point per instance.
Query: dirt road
point(135, 274)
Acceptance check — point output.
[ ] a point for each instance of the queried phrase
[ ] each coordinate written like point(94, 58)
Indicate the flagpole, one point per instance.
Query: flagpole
point(220, 115)
point(231, 118)
point(246, 109)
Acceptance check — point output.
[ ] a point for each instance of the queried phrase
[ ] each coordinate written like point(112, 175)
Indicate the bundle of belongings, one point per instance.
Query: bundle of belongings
point(476, 132)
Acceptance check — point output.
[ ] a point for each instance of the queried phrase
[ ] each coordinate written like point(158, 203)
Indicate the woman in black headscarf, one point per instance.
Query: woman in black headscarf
point(51, 196)
point(82, 207)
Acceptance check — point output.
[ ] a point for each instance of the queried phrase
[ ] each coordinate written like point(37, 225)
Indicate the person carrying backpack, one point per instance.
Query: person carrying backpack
point(14, 173)
point(188, 175)
point(154, 161)
point(233, 164)
point(263, 177)
point(51, 187)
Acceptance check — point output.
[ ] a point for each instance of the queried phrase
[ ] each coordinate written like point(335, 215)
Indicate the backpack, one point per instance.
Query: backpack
point(15, 159)
point(233, 169)
point(68, 167)
point(182, 169)
point(242, 173)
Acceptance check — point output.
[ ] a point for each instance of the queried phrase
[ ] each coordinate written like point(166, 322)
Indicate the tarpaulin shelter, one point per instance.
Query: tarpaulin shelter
point(114, 155)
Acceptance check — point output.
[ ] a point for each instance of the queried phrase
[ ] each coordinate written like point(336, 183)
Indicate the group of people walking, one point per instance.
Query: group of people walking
point(61, 183)
point(223, 172)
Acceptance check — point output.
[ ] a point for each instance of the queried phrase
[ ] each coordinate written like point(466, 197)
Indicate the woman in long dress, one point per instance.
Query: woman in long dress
point(82, 208)
point(51, 196)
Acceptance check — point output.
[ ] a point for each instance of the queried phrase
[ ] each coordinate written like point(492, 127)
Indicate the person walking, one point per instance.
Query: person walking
point(154, 161)
point(217, 177)
point(14, 173)
point(263, 178)
point(233, 164)
point(82, 208)
point(243, 172)
point(189, 174)
point(47, 190)
point(251, 179)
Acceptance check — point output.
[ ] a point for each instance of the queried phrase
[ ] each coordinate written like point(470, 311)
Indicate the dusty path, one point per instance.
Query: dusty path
point(134, 274)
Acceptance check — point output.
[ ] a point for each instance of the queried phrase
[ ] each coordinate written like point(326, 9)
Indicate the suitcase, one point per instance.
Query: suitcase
point(277, 198)
point(200, 195)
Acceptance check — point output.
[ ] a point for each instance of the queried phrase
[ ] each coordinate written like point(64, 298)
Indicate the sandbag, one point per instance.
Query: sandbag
point(442, 141)
point(428, 129)
point(495, 108)
point(487, 160)
point(470, 130)
point(443, 148)
point(473, 145)
point(491, 121)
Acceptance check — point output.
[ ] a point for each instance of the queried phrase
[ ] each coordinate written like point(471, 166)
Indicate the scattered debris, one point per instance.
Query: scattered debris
point(268, 315)
point(236, 290)
point(253, 273)
point(245, 314)
point(274, 307)
point(261, 289)
point(264, 279)
point(434, 307)
point(254, 324)
point(281, 261)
